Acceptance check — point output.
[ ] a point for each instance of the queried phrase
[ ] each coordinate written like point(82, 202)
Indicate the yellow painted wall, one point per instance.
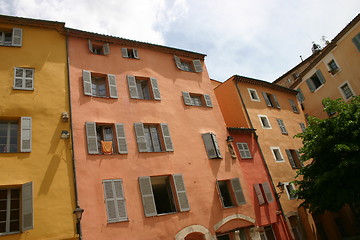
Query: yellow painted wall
point(49, 165)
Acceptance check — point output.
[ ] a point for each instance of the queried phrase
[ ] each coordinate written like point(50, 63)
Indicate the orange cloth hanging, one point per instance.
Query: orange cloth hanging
point(107, 147)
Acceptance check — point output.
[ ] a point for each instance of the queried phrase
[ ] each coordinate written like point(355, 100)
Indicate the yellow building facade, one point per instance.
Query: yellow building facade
point(37, 195)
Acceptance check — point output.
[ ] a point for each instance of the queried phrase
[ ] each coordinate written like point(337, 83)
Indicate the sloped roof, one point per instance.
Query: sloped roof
point(32, 22)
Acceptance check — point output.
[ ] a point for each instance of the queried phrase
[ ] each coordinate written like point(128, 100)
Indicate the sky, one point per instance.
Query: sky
point(260, 39)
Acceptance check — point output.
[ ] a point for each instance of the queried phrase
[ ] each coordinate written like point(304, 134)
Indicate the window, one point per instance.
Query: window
point(143, 88)
point(293, 106)
point(253, 95)
point(9, 135)
point(315, 81)
point(99, 85)
point(16, 209)
point(267, 234)
point(223, 237)
point(263, 193)
point(153, 137)
point(99, 49)
point(277, 154)
point(282, 126)
point(294, 158)
point(264, 121)
point(163, 194)
point(346, 90)
point(187, 65)
point(270, 100)
point(11, 37)
point(24, 78)
point(333, 67)
point(300, 95)
point(101, 138)
point(115, 200)
point(230, 192)
point(290, 190)
point(130, 53)
point(356, 41)
point(244, 150)
point(302, 126)
point(193, 99)
point(211, 145)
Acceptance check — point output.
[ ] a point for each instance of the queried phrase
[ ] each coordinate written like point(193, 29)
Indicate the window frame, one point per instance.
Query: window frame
point(130, 53)
point(211, 145)
point(271, 100)
point(261, 122)
point(274, 154)
point(98, 48)
point(294, 158)
point(333, 67)
point(151, 83)
point(342, 92)
point(314, 86)
point(193, 66)
point(188, 98)
point(163, 133)
point(244, 151)
point(24, 78)
point(234, 190)
point(356, 41)
point(282, 126)
point(24, 134)
point(115, 201)
point(290, 197)
point(16, 37)
point(111, 88)
point(257, 99)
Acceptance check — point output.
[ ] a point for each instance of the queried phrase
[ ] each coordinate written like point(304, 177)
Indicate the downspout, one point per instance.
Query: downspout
point(287, 230)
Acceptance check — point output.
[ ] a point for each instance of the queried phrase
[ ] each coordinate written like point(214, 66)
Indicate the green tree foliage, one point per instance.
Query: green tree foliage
point(331, 178)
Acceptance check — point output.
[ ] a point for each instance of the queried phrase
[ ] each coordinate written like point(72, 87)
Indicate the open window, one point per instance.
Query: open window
point(188, 65)
point(15, 135)
point(270, 100)
point(115, 200)
point(195, 99)
point(99, 85)
point(130, 53)
point(294, 158)
point(143, 88)
point(163, 194)
point(230, 192)
point(290, 190)
point(99, 48)
point(153, 137)
point(315, 81)
point(211, 145)
point(11, 37)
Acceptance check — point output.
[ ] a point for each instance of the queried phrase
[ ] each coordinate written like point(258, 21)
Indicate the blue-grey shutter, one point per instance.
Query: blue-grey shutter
point(209, 145)
point(155, 88)
point(135, 53)
point(197, 65)
point(140, 137)
point(27, 215)
point(26, 134)
point(282, 126)
point(320, 76)
point(276, 101)
point(293, 106)
point(300, 95)
point(237, 189)
point(115, 200)
point(132, 87)
point(207, 99)
point(112, 85)
point(106, 49)
point(121, 139)
point(311, 85)
point(217, 148)
point(178, 62)
point(267, 191)
point(356, 41)
point(16, 37)
point(87, 82)
point(91, 137)
point(181, 192)
point(267, 100)
point(291, 160)
point(167, 138)
point(124, 52)
point(259, 194)
point(187, 99)
point(91, 48)
point(147, 196)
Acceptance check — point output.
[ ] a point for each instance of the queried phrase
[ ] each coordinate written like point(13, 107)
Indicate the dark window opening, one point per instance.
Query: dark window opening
point(223, 237)
point(105, 138)
point(225, 193)
point(9, 135)
point(316, 81)
point(9, 210)
point(163, 194)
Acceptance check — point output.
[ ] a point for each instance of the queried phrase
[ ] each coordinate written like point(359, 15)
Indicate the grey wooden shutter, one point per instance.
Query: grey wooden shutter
point(16, 37)
point(267, 100)
point(87, 82)
point(124, 52)
point(27, 216)
point(135, 53)
point(106, 49)
point(293, 106)
point(209, 145)
point(121, 139)
point(291, 160)
point(132, 87)
point(282, 126)
point(120, 200)
point(187, 99)
point(178, 62)
point(216, 145)
point(91, 137)
point(91, 48)
point(267, 191)
point(155, 88)
point(356, 41)
point(276, 101)
point(197, 65)
point(239, 195)
point(299, 158)
point(114, 200)
point(207, 99)
point(26, 135)
point(259, 194)
point(320, 76)
point(140, 137)
point(112, 85)
point(167, 138)
point(300, 95)
point(181, 192)
point(147, 196)
point(311, 85)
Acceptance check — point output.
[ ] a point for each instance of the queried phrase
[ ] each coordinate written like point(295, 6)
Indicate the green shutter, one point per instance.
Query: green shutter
point(267, 100)
point(178, 62)
point(135, 53)
point(276, 101)
point(311, 85)
point(209, 145)
point(147, 196)
point(291, 160)
point(114, 200)
point(356, 41)
point(90, 46)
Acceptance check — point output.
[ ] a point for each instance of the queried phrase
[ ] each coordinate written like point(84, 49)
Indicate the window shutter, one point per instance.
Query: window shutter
point(181, 192)
point(124, 52)
point(178, 62)
point(187, 99)
point(120, 200)
point(276, 101)
point(209, 145)
point(282, 126)
point(16, 37)
point(207, 99)
point(299, 158)
point(87, 83)
point(166, 136)
point(291, 160)
point(135, 53)
point(300, 95)
point(140, 137)
point(91, 137)
point(121, 139)
point(267, 100)
point(293, 106)
point(216, 145)
point(106, 49)
point(147, 196)
point(239, 195)
point(19, 78)
point(132, 87)
point(267, 191)
point(115, 201)
point(356, 41)
point(27, 217)
point(320, 76)
point(197, 65)
point(155, 88)
point(311, 85)
point(259, 194)
point(25, 138)
point(112, 85)
point(90, 46)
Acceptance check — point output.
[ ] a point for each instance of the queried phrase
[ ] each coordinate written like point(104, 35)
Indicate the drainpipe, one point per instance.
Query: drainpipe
point(287, 230)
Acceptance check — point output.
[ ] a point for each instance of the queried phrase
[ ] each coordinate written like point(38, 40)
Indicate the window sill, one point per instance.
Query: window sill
point(26, 89)
point(280, 161)
point(118, 221)
point(246, 158)
point(10, 233)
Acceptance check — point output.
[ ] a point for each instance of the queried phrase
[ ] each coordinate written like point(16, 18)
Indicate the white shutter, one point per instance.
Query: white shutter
point(121, 139)
point(106, 49)
point(181, 192)
point(187, 99)
point(26, 135)
point(124, 52)
point(237, 189)
point(112, 85)
point(155, 88)
point(166, 136)
point(91, 48)
point(291, 160)
point(209, 145)
point(147, 196)
point(16, 37)
point(267, 191)
point(140, 137)
point(197, 65)
point(87, 83)
point(27, 216)
point(115, 201)
point(259, 194)
point(132, 87)
point(207, 99)
point(267, 100)
point(91, 137)
point(135, 53)
point(178, 62)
